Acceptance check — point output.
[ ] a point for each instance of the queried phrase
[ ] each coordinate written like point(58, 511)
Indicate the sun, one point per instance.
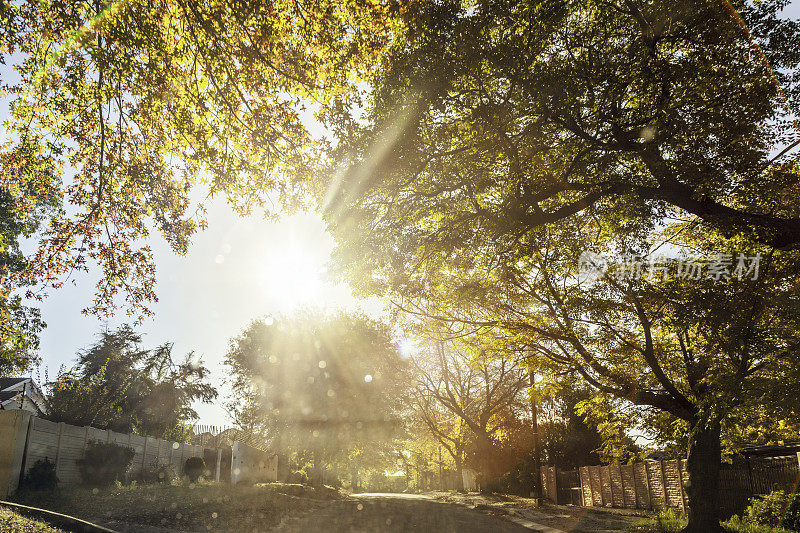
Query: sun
point(291, 276)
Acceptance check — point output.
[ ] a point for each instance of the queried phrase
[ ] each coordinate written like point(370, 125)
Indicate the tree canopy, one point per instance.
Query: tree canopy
point(20, 323)
point(320, 385)
point(505, 140)
point(146, 109)
point(116, 384)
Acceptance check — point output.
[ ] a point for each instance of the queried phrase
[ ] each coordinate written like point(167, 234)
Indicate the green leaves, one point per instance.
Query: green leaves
point(145, 108)
point(503, 140)
point(116, 384)
point(311, 382)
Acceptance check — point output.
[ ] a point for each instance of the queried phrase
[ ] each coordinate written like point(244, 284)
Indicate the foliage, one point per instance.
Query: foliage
point(380, 482)
point(472, 404)
point(325, 385)
point(103, 463)
point(141, 104)
point(19, 220)
point(775, 509)
point(568, 440)
point(298, 476)
point(194, 468)
point(557, 127)
point(669, 522)
point(41, 476)
point(17, 523)
point(159, 473)
point(118, 385)
point(613, 428)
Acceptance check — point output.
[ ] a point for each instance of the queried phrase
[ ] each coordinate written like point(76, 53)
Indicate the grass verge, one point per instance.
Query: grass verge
point(204, 506)
point(11, 522)
point(670, 522)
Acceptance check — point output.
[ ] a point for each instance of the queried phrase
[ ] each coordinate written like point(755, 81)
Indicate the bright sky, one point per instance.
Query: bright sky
point(237, 270)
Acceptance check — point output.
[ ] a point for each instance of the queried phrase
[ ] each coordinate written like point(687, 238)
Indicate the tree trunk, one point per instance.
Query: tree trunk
point(488, 477)
point(536, 489)
point(459, 475)
point(703, 464)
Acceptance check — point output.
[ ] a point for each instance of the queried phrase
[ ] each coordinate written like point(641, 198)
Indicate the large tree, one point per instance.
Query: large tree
point(708, 353)
point(323, 385)
point(116, 384)
point(146, 109)
point(465, 397)
point(507, 137)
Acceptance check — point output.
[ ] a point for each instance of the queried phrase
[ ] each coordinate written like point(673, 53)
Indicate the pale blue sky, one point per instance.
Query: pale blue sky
point(236, 270)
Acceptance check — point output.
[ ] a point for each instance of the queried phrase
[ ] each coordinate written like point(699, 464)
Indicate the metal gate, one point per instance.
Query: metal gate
point(568, 487)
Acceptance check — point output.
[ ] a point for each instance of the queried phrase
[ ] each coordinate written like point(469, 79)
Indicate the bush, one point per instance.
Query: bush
point(665, 522)
point(298, 477)
point(194, 468)
point(774, 509)
point(41, 476)
point(518, 480)
point(671, 522)
point(158, 473)
point(103, 463)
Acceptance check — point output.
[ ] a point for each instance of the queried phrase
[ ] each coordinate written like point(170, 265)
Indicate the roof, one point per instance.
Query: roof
point(10, 382)
point(772, 450)
point(7, 395)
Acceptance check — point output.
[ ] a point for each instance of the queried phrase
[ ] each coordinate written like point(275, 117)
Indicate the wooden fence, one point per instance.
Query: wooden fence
point(660, 484)
point(646, 485)
point(747, 477)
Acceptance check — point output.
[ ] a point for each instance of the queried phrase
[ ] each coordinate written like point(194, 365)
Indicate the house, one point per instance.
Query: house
point(21, 393)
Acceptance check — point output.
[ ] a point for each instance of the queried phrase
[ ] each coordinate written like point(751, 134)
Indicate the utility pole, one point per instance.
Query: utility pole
point(537, 471)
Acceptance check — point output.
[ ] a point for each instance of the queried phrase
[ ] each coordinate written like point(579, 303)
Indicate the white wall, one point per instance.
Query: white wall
point(250, 465)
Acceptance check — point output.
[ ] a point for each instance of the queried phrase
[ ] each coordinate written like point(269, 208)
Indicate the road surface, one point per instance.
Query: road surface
point(392, 513)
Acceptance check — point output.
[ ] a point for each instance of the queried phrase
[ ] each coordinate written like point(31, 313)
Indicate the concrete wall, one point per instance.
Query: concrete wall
point(32, 438)
point(250, 465)
point(548, 481)
point(13, 431)
point(660, 484)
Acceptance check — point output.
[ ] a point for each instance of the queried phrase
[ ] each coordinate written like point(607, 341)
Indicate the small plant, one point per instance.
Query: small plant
point(41, 476)
point(103, 463)
point(194, 468)
point(299, 477)
point(158, 473)
point(775, 509)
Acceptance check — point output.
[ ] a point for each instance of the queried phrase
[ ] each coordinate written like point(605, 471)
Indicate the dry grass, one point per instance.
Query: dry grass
point(11, 522)
point(205, 506)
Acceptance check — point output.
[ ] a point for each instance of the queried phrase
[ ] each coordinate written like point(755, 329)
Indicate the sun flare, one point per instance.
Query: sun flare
point(292, 277)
